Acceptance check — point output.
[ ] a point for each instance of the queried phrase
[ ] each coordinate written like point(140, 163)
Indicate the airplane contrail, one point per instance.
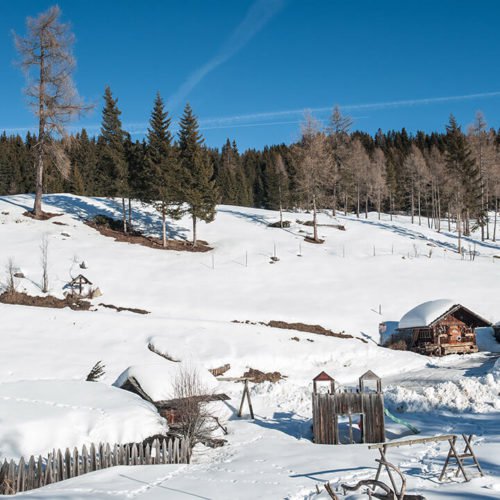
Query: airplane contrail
point(244, 118)
point(279, 117)
point(259, 14)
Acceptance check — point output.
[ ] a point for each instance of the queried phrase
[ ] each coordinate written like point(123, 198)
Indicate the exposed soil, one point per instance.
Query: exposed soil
point(152, 348)
point(129, 309)
point(258, 377)
point(113, 228)
point(286, 224)
point(302, 327)
point(42, 216)
point(312, 240)
point(23, 299)
point(59, 223)
point(310, 223)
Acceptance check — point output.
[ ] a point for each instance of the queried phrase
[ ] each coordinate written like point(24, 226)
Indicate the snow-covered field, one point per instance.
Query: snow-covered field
point(387, 266)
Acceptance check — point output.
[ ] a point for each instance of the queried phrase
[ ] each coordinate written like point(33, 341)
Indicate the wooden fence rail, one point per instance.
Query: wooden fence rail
point(60, 465)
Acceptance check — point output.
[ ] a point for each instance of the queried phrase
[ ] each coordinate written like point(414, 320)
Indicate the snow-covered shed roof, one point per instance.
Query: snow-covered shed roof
point(430, 312)
point(156, 381)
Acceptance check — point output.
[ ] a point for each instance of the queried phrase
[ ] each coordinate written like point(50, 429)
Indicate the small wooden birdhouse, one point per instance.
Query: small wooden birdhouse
point(324, 379)
point(369, 376)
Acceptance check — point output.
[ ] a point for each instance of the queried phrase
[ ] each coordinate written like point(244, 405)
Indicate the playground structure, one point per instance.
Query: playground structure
point(365, 404)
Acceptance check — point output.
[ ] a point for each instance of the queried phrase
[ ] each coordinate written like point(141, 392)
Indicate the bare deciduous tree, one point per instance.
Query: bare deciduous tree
point(47, 60)
point(314, 160)
point(377, 179)
point(44, 260)
point(10, 270)
point(281, 179)
point(195, 420)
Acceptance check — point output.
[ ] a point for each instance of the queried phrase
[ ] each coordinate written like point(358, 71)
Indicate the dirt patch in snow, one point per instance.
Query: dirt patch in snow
point(258, 377)
point(23, 299)
point(302, 327)
point(129, 309)
point(312, 240)
point(317, 329)
point(113, 229)
point(42, 216)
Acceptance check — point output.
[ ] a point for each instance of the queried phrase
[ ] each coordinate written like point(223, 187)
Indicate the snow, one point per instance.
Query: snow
point(375, 266)
point(426, 313)
point(158, 379)
point(39, 415)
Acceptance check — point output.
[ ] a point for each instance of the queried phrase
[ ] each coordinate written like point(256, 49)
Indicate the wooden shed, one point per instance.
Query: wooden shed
point(440, 327)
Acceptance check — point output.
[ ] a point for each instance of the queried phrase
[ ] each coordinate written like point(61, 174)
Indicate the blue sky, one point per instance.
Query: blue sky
point(250, 68)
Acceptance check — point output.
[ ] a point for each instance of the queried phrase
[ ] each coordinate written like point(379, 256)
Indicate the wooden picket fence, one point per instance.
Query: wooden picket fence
point(60, 465)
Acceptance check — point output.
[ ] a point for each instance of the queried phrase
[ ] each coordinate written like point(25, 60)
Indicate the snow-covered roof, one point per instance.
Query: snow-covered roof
point(424, 314)
point(158, 380)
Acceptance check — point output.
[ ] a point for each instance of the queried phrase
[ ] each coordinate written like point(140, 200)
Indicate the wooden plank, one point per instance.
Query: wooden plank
point(409, 442)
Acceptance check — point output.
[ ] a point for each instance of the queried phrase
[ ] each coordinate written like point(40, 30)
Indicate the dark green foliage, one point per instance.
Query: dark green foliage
point(464, 173)
point(160, 162)
point(198, 188)
point(112, 163)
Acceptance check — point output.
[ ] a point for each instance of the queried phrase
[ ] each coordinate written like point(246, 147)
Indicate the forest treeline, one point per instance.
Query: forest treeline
point(452, 176)
point(432, 177)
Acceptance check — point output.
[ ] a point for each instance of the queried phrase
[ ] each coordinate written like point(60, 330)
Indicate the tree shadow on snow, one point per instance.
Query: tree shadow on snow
point(87, 208)
point(288, 423)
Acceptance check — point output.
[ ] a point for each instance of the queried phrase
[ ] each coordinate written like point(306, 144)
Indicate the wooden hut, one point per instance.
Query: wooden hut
point(362, 407)
point(440, 327)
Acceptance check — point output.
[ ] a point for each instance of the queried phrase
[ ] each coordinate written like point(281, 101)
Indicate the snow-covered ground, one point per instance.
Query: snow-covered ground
point(387, 266)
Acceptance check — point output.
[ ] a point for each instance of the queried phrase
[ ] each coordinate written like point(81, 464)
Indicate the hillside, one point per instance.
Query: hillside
point(194, 299)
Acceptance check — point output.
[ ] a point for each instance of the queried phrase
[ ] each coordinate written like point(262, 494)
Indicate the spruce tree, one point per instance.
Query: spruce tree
point(160, 168)
point(226, 178)
point(198, 187)
point(112, 158)
point(465, 178)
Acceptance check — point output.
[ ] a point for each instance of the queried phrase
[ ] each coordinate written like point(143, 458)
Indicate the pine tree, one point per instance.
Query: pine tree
point(226, 176)
point(465, 177)
point(198, 187)
point(112, 160)
point(161, 167)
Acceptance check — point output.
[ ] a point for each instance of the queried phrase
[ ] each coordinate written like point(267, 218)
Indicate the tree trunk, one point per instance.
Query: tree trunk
point(315, 219)
point(495, 222)
point(412, 205)
point(124, 215)
point(164, 225)
point(390, 205)
point(379, 203)
point(194, 230)
point(281, 208)
point(357, 201)
point(129, 213)
point(366, 207)
point(334, 201)
point(438, 195)
point(459, 229)
point(37, 208)
point(419, 208)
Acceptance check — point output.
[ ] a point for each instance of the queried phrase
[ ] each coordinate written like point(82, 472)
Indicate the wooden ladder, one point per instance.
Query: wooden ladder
point(468, 453)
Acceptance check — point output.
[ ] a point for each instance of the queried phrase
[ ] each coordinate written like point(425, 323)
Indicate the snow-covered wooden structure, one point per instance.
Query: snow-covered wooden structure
point(156, 383)
point(363, 406)
point(440, 327)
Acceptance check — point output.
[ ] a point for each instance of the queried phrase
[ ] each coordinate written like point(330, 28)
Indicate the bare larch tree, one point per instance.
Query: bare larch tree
point(47, 60)
point(314, 159)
